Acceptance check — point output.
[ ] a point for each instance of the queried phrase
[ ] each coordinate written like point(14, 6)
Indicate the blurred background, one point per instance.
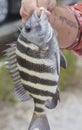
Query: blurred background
point(15, 115)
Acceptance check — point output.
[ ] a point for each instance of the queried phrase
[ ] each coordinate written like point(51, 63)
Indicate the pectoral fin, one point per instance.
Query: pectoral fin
point(63, 62)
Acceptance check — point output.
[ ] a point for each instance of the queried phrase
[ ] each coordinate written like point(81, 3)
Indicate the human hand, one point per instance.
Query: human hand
point(28, 6)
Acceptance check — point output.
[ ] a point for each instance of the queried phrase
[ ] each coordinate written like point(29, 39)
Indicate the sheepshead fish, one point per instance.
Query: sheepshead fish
point(34, 62)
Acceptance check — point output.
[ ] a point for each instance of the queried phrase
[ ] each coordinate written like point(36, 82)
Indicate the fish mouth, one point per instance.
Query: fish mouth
point(38, 13)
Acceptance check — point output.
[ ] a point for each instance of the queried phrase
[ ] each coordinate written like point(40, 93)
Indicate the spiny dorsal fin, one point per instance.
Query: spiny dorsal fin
point(63, 62)
point(13, 68)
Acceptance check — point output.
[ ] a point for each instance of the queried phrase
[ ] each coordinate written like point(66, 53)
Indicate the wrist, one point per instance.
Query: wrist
point(76, 12)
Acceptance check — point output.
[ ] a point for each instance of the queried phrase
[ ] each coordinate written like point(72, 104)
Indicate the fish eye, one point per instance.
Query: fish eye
point(27, 29)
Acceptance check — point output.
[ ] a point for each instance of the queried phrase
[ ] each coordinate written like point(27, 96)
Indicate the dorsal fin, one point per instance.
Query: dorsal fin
point(12, 63)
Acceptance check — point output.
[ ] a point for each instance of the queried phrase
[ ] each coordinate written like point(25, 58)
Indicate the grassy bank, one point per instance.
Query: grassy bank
point(6, 84)
point(67, 74)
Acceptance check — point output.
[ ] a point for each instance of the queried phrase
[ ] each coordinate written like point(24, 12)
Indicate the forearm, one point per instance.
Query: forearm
point(67, 21)
point(77, 9)
point(66, 26)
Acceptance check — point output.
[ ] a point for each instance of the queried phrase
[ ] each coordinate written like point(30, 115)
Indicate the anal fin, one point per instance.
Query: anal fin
point(50, 104)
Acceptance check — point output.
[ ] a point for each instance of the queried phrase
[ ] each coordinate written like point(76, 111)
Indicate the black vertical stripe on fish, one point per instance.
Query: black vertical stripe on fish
point(22, 38)
point(21, 61)
point(21, 48)
point(36, 67)
point(37, 109)
point(38, 101)
point(36, 79)
point(38, 91)
point(32, 53)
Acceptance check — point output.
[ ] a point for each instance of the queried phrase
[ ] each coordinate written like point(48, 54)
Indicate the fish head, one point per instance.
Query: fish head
point(36, 29)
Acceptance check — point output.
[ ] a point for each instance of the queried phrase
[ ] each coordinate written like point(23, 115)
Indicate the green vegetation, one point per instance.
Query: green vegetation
point(67, 74)
point(6, 84)
point(59, 1)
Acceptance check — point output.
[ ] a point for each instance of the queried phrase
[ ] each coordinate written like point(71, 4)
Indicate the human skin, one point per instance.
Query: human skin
point(66, 33)
point(28, 6)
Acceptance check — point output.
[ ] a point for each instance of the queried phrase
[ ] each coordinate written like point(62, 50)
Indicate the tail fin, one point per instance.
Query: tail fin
point(39, 123)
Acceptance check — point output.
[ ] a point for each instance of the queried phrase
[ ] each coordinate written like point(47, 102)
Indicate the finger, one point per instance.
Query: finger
point(23, 21)
point(42, 3)
point(44, 10)
point(27, 8)
point(51, 19)
point(51, 5)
